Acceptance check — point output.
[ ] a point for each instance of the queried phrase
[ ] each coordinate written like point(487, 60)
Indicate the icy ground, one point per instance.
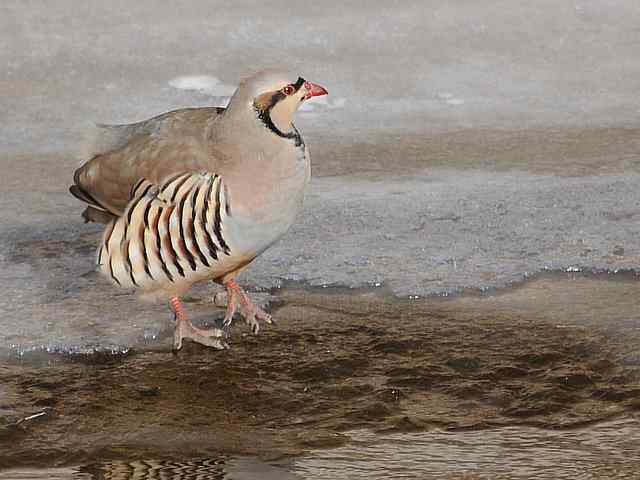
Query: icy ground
point(421, 65)
point(428, 178)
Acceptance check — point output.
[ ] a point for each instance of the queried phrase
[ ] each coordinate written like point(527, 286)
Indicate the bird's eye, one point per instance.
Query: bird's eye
point(288, 90)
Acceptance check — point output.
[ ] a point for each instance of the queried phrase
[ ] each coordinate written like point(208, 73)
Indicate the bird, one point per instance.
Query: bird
point(197, 194)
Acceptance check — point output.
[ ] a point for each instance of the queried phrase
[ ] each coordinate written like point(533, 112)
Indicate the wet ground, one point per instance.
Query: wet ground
point(488, 330)
point(340, 371)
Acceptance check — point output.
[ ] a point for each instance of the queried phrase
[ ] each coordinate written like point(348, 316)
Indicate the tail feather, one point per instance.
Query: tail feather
point(95, 211)
point(95, 215)
point(81, 194)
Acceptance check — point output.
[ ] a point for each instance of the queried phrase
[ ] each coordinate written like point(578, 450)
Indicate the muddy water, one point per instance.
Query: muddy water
point(352, 385)
point(219, 468)
point(610, 450)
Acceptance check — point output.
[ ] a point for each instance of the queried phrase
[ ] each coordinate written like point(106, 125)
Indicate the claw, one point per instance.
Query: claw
point(231, 309)
point(251, 313)
point(228, 318)
point(253, 323)
point(262, 315)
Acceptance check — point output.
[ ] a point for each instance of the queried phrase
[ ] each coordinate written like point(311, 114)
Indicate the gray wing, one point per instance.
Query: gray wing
point(120, 155)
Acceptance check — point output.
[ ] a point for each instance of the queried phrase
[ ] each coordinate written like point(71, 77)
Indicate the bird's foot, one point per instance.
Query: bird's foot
point(185, 329)
point(252, 313)
point(209, 338)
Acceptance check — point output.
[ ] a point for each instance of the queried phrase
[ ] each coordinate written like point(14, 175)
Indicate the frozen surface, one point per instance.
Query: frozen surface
point(462, 146)
point(422, 65)
point(446, 230)
point(433, 232)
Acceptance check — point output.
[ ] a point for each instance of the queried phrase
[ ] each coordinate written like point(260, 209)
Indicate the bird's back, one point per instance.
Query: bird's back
point(120, 155)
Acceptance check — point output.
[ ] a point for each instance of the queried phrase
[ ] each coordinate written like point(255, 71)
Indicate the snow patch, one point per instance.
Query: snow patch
point(205, 84)
point(449, 98)
point(322, 103)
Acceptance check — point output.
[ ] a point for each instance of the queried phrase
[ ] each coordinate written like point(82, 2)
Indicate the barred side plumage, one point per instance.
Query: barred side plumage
point(167, 234)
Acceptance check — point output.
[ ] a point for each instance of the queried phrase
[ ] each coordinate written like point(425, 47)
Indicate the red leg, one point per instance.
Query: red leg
point(185, 329)
point(176, 308)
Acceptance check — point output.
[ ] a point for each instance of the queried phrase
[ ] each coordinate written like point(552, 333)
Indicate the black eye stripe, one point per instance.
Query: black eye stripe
point(298, 84)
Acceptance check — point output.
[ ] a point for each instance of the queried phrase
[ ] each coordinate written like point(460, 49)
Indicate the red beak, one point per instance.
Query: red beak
point(314, 90)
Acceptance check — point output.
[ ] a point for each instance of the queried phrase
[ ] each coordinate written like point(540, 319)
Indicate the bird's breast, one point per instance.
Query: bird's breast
point(266, 203)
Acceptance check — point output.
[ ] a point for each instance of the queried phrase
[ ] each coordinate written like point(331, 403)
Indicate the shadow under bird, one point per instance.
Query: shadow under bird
point(198, 193)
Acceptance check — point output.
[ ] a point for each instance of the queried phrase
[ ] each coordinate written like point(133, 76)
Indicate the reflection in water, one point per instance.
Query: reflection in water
point(151, 469)
point(120, 470)
point(604, 451)
point(236, 469)
point(64, 473)
point(609, 450)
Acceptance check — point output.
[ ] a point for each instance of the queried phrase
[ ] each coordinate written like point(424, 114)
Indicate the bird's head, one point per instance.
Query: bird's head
point(275, 97)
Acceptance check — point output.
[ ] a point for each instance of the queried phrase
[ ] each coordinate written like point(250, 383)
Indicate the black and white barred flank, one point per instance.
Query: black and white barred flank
point(167, 234)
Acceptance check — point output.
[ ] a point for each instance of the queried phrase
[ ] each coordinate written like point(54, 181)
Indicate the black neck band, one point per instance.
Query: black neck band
point(265, 117)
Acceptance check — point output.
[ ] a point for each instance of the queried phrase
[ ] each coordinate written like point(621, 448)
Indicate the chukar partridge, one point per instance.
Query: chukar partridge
point(198, 193)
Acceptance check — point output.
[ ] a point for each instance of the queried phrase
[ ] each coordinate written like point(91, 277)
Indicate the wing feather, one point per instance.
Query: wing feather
point(118, 156)
point(163, 236)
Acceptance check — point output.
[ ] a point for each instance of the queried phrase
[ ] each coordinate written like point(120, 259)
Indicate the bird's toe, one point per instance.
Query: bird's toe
point(267, 318)
point(251, 320)
point(217, 343)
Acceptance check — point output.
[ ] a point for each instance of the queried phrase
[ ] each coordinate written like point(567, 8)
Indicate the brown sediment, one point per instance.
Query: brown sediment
point(334, 363)
point(556, 151)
